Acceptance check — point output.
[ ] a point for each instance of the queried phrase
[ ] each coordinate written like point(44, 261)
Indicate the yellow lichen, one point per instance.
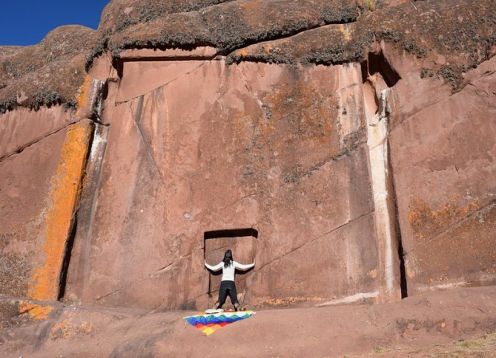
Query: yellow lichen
point(370, 4)
point(372, 273)
point(35, 311)
point(427, 222)
point(44, 284)
point(84, 94)
point(242, 53)
point(344, 29)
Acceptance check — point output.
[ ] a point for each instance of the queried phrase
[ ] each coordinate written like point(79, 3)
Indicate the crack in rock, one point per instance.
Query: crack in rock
point(37, 140)
point(315, 238)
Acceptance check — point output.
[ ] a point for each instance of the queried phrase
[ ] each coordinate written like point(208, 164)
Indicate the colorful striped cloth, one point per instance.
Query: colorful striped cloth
point(209, 323)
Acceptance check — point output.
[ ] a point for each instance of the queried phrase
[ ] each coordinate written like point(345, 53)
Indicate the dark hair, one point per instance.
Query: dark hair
point(228, 258)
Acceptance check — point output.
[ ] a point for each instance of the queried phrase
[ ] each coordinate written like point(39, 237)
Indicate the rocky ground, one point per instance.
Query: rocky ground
point(454, 323)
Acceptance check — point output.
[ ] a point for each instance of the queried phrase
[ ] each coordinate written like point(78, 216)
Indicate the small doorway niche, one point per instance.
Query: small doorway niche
point(242, 242)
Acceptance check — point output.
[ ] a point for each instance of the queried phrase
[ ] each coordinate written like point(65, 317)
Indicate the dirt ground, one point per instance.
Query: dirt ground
point(454, 323)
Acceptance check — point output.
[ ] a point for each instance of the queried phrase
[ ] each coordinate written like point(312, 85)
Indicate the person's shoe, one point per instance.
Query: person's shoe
point(214, 310)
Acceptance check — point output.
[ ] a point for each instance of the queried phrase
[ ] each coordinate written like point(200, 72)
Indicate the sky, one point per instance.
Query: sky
point(26, 22)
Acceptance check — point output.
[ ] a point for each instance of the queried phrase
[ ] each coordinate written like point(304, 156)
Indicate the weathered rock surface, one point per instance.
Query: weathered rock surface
point(25, 183)
point(454, 36)
point(22, 128)
point(355, 137)
point(448, 323)
point(448, 37)
point(196, 147)
point(443, 161)
point(40, 186)
point(45, 74)
point(232, 24)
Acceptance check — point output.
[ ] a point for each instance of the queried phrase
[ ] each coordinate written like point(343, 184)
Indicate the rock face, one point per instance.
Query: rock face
point(442, 154)
point(196, 147)
point(347, 147)
point(46, 74)
point(40, 184)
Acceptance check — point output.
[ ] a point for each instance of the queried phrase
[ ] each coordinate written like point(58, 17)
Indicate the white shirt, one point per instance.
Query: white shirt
point(228, 272)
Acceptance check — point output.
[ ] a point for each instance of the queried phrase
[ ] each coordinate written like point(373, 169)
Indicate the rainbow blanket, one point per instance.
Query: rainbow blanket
point(209, 323)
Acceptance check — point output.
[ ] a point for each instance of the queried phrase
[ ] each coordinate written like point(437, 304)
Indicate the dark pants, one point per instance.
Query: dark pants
point(227, 288)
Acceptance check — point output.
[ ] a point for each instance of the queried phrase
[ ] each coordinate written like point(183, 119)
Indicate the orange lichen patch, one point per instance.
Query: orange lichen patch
point(344, 29)
point(84, 95)
point(35, 311)
point(68, 329)
point(427, 222)
point(251, 6)
point(267, 48)
point(242, 53)
point(44, 284)
point(303, 110)
point(59, 330)
point(372, 273)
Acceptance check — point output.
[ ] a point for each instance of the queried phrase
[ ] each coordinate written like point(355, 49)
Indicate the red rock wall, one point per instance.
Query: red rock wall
point(315, 159)
point(195, 146)
point(318, 159)
point(443, 158)
point(39, 189)
point(25, 184)
point(368, 176)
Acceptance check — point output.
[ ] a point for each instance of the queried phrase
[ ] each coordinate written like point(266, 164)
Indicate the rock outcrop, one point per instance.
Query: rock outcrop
point(346, 146)
point(46, 74)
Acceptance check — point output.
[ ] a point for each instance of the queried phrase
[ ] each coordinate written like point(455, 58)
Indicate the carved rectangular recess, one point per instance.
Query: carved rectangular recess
point(242, 242)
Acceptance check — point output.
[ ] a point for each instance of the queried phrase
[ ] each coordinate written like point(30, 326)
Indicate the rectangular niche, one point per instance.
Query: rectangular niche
point(242, 242)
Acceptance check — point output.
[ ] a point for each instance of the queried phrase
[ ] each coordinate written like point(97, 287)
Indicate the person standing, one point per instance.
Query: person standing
point(227, 284)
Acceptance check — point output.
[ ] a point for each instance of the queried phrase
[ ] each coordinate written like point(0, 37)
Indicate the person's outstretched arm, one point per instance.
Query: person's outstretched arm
point(243, 267)
point(215, 267)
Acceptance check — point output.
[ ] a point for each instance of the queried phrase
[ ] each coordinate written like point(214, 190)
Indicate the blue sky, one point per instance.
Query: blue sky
point(26, 22)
